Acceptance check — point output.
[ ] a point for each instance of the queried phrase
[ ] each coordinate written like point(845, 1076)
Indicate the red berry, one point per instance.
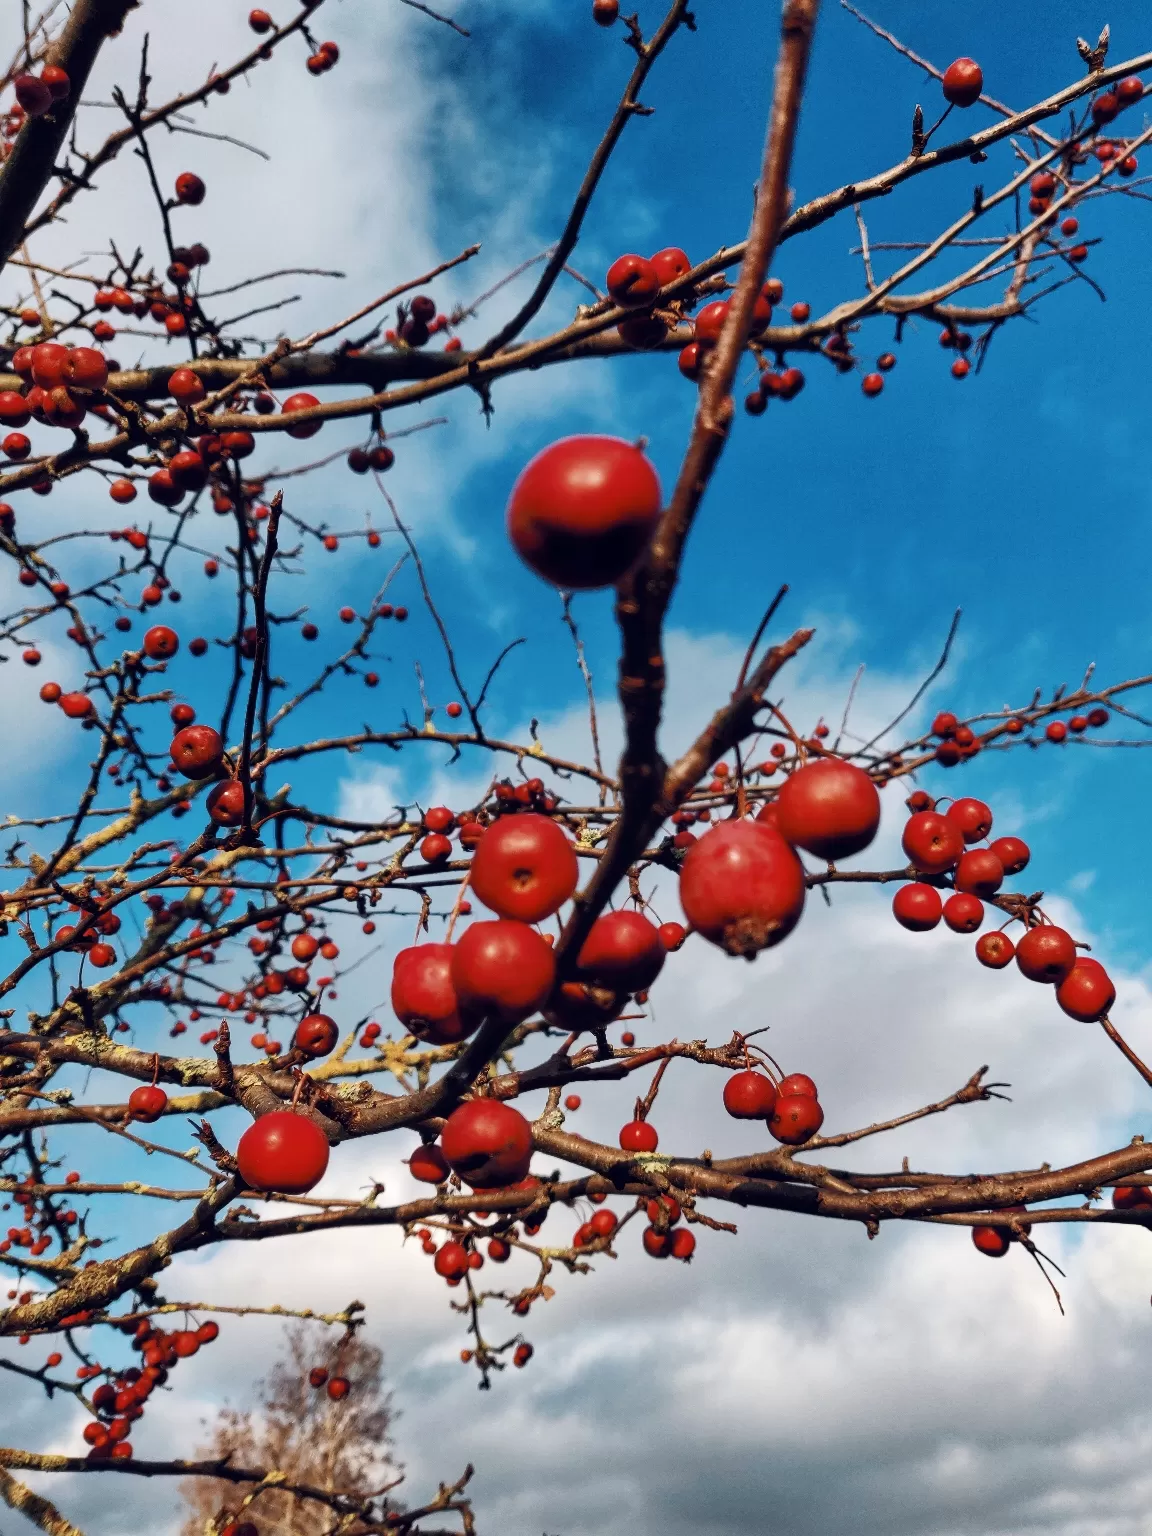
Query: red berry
point(639, 1136)
point(1046, 954)
point(452, 1261)
point(672, 935)
point(632, 280)
point(828, 807)
point(963, 912)
point(302, 402)
point(742, 887)
point(147, 1103)
point(796, 1118)
point(917, 907)
point(710, 322)
point(77, 706)
point(283, 1151)
point(338, 1387)
point(524, 868)
point(197, 751)
point(872, 383)
point(623, 951)
point(995, 950)
point(423, 997)
point(225, 803)
point(435, 848)
point(33, 95)
point(994, 1241)
point(963, 82)
point(189, 189)
point(605, 12)
point(583, 510)
point(1131, 1197)
point(488, 1143)
point(980, 872)
point(160, 642)
point(428, 1165)
point(689, 360)
point(671, 263)
point(749, 1096)
point(1086, 993)
point(316, 1034)
point(503, 969)
point(972, 817)
point(1012, 852)
point(931, 842)
point(57, 81)
point(797, 1082)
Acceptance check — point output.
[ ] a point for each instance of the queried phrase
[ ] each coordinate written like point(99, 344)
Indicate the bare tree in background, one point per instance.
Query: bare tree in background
point(340, 1445)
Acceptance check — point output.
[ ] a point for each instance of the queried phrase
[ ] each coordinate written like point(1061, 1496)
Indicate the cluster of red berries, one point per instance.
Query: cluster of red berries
point(959, 742)
point(790, 1107)
point(940, 846)
point(337, 1387)
point(38, 94)
point(418, 322)
point(37, 1232)
point(120, 1402)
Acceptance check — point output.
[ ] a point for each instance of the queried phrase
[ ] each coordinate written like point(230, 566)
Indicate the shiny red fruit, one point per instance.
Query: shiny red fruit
point(186, 387)
point(524, 868)
point(993, 1241)
point(302, 402)
point(1087, 992)
point(828, 807)
point(672, 935)
point(190, 189)
point(796, 1118)
point(932, 843)
point(632, 280)
point(488, 1143)
point(583, 510)
point(670, 263)
point(316, 1034)
point(197, 751)
point(451, 1262)
point(796, 1082)
point(423, 997)
point(502, 969)
point(283, 1151)
point(1046, 953)
point(160, 642)
point(623, 951)
point(639, 1136)
point(742, 887)
point(995, 950)
point(973, 818)
point(657, 1245)
point(980, 872)
point(963, 912)
point(428, 1164)
point(225, 803)
point(963, 82)
point(710, 322)
point(1012, 852)
point(147, 1103)
point(749, 1096)
point(917, 907)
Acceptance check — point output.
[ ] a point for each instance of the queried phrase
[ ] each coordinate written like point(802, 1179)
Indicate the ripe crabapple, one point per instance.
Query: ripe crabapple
point(583, 510)
point(963, 82)
point(917, 907)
